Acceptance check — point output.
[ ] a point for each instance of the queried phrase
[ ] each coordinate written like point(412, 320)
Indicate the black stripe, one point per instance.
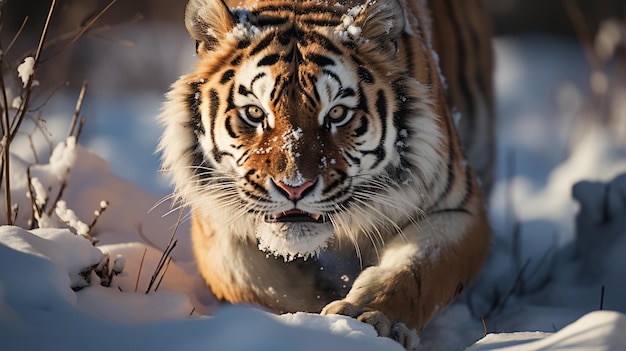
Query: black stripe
point(269, 60)
point(332, 186)
point(237, 60)
point(272, 8)
point(242, 44)
point(315, 37)
point(363, 127)
point(280, 84)
point(320, 10)
point(198, 157)
point(298, 10)
point(244, 157)
point(213, 110)
point(381, 108)
point(193, 101)
point(264, 21)
point(450, 174)
point(365, 75)
point(450, 210)
point(332, 75)
point(255, 197)
point(346, 92)
point(320, 60)
point(352, 159)
point(417, 277)
point(469, 189)
point(244, 91)
point(342, 178)
point(286, 36)
point(357, 61)
point(257, 77)
point(264, 43)
point(317, 94)
point(312, 101)
point(409, 52)
point(462, 79)
point(304, 87)
point(229, 128)
point(230, 101)
point(363, 104)
point(321, 22)
point(254, 184)
point(227, 76)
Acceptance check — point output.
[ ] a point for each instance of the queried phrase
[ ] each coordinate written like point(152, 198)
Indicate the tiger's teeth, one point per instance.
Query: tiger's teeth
point(315, 216)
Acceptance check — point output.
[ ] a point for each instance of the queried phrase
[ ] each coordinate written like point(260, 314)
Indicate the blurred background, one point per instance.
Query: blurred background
point(135, 50)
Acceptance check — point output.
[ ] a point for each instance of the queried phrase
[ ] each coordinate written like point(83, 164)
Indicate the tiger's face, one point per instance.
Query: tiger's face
point(292, 121)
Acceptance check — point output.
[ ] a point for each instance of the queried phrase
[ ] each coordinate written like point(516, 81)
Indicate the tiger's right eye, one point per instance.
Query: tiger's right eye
point(254, 114)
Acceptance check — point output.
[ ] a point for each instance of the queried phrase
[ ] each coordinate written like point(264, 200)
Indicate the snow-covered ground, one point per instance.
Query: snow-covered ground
point(557, 255)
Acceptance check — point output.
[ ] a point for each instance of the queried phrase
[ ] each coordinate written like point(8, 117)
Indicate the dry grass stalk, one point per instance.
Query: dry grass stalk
point(163, 262)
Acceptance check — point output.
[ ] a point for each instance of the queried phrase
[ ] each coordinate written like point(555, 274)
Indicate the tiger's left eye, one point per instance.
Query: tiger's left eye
point(337, 114)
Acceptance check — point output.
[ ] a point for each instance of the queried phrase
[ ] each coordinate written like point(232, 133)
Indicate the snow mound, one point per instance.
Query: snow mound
point(596, 331)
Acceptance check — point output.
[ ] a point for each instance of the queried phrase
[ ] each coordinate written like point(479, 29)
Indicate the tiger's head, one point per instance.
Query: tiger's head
point(293, 121)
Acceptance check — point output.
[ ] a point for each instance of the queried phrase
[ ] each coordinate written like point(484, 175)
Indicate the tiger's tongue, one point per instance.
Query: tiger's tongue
point(294, 211)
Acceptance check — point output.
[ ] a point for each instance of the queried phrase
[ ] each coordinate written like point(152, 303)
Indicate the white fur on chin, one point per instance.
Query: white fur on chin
point(294, 239)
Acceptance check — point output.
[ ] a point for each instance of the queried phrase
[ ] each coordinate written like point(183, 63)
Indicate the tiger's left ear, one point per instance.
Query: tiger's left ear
point(381, 20)
point(208, 21)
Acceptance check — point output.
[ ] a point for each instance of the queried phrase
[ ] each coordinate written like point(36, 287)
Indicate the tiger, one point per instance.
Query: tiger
point(319, 149)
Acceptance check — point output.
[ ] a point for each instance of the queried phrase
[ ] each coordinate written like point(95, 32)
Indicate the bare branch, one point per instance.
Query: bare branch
point(19, 118)
point(80, 128)
point(103, 206)
point(35, 210)
point(32, 148)
point(140, 268)
point(79, 104)
point(166, 254)
point(19, 31)
point(86, 28)
point(582, 31)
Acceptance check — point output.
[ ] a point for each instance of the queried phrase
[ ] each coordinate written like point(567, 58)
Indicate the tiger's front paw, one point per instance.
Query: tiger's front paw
point(383, 326)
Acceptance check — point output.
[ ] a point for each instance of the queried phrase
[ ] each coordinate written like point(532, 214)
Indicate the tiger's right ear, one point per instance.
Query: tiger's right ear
point(208, 21)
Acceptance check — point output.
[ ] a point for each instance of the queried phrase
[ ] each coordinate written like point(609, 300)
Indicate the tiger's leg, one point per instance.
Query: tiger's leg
point(422, 275)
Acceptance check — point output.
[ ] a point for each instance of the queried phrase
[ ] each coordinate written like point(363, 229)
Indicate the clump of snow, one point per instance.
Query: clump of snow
point(295, 181)
point(70, 218)
point(243, 29)
point(348, 30)
point(16, 103)
point(26, 70)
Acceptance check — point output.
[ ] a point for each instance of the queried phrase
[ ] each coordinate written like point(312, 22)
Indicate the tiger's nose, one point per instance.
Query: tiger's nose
point(297, 192)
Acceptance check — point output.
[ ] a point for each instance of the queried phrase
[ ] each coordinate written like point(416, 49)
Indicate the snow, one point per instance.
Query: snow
point(558, 211)
point(26, 70)
point(596, 331)
point(293, 240)
point(69, 217)
point(347, 29)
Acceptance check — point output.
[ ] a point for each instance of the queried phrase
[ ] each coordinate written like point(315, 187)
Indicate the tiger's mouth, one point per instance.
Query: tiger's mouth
point(295, 215)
